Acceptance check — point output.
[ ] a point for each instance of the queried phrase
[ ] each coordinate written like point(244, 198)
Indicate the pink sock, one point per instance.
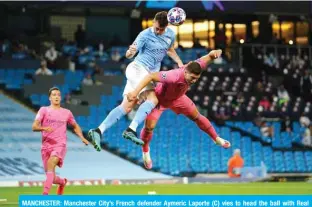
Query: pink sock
point(146, 136)
point(204, 124)
point(48, 183)
point(58, 180)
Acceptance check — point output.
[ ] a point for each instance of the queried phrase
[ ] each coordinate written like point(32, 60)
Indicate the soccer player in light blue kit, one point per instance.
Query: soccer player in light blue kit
point(152, 44)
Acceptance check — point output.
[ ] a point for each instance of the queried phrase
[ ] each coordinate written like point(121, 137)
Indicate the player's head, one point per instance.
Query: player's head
point(160, 22)
point(192, 72)
point(237, 152)
point(55, 96)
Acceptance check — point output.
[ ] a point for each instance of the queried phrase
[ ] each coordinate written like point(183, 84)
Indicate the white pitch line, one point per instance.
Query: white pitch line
point(271, 187)
point(3, 200)
point(9, 203)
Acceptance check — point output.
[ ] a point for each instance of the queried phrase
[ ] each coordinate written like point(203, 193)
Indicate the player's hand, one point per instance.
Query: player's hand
point(47, 129)
point(139, 101)
point(85, 141)
point(132, 49)
point(131, 96)
point(214, 54)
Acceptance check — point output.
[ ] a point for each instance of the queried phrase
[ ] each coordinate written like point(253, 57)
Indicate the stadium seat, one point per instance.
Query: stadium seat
point(178, 150)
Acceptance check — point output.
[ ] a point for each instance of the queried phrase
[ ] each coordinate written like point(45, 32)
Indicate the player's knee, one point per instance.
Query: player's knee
point(154, 100)
point(194, 116)
point(128, 110)
point(53, 161)
point(149, 129)
point(151, 96)
point(127, 107)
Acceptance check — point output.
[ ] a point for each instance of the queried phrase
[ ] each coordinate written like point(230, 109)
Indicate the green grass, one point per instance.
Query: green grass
point(11, 194)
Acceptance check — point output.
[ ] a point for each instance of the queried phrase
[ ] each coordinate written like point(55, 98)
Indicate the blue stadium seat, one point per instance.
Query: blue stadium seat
point(19, 56)
point(176, 150)
point(35, 99)
point(44, 100)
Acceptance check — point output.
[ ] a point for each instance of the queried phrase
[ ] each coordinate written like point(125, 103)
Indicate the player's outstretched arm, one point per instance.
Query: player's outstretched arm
point(146, 80)
point(213, 54)
point(136, 46)
point(173, 54)
point(78, 131)
point(36, 127)
point(131, 51)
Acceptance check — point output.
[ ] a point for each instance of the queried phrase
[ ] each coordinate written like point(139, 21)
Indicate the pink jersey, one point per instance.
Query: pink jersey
point(57, 119)
point(172, 84)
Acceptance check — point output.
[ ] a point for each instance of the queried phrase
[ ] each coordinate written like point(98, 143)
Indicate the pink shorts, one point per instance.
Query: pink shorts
point(183, 105)
point(59, 152)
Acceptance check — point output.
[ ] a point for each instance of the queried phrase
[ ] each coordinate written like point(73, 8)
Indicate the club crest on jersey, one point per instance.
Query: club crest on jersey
point(164, 75)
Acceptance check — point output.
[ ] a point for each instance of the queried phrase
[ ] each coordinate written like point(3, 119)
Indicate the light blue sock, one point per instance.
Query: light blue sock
point(141, 114)
point(112, 118)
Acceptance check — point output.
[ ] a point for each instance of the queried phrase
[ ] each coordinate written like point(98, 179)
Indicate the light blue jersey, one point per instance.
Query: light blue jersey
point(152, 48)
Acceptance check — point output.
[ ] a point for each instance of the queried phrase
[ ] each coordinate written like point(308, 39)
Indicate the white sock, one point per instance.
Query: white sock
point(102, 127)
point(219, 141)
point(146, 155)
point(133, 125)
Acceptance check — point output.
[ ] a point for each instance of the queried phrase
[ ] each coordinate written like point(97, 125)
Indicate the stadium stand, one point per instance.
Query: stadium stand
point(20, 158)
point(185, 150)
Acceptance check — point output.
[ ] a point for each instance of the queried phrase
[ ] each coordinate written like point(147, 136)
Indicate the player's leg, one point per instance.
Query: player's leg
point(116, 114)
point(60, 152)
point(150, 101)
point(145, 108)
point(184, 105)
point(147, 134)
point(50, 164)
point(95, 135)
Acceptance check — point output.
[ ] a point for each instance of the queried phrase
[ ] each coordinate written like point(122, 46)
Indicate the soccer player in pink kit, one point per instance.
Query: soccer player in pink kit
point(170, 91)
point(52, 122)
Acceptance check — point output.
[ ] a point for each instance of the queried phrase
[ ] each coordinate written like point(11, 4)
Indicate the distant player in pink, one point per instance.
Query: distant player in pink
point(52, 122)
point(170, 91)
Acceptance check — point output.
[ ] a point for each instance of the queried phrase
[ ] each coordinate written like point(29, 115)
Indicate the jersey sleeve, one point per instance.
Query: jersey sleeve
point(40, 114)
point(71, 119)
point(140, 41)
point(170, 76)
point(202, 63)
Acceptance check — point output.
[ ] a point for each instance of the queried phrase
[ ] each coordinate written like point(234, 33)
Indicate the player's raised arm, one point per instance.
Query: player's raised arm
point(206, 59)
point(173, 54)
point(131, 51)
point(136, 45)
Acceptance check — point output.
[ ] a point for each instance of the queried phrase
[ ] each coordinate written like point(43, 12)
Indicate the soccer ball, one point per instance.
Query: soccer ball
point(176, 16)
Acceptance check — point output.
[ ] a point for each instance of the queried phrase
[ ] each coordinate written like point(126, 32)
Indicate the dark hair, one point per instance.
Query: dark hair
point(161, 18)
point(53, 89)
point(194, 67)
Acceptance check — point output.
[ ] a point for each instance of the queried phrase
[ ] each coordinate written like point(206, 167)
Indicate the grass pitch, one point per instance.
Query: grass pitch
point(11, 194)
